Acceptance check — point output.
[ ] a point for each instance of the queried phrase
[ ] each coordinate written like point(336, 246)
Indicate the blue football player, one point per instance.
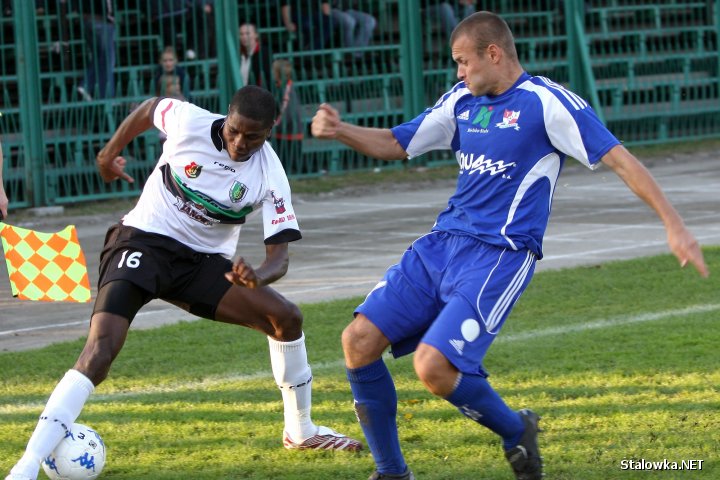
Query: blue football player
point(450, 294)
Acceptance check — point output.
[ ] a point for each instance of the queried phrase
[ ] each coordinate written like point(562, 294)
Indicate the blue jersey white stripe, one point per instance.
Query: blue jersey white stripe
point(507, 299)
point(510, 149)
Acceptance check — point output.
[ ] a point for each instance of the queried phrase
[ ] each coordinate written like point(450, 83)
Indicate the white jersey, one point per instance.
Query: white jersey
point(199, 196)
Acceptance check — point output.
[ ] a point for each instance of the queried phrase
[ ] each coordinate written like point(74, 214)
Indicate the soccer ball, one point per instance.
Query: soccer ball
point(79, 456)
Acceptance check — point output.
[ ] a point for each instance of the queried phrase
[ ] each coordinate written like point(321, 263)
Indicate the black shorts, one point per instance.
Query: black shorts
point(164, 268)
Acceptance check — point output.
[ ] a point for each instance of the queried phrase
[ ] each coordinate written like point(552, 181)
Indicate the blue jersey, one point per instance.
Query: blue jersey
point(510, 149)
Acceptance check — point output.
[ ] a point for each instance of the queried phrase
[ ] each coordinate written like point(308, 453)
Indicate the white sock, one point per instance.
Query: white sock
point(293, 376)
point(61, 410)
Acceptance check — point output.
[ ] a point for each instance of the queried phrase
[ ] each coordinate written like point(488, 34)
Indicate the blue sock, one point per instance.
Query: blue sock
point(476, 399)
point(376, 409)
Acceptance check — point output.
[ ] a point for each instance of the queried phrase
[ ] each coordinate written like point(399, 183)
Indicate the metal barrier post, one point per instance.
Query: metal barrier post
point(28, 70)
point(582, 80)
point(717, 37)
point(411, 67)
point(226, 29)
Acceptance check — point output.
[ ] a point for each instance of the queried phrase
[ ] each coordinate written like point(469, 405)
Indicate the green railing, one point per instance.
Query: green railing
point(650, 69)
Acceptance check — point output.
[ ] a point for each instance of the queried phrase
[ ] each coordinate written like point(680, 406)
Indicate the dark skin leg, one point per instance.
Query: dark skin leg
point(105, 340)
point(261, 309)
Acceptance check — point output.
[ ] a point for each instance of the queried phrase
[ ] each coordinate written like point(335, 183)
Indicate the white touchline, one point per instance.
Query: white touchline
point(608, 323)
point(210, 382)
point(160, 313)
point(43, 327)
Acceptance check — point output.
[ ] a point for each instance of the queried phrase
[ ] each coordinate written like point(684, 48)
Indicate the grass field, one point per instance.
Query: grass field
point(620, 359)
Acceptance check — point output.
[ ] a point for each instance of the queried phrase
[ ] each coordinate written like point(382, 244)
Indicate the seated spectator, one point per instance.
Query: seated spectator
point(312, 19)
point(356, 27)
point(254, 58)
point(171, 80)
point(446, 13)
point(169, 16)
point(201, 30)
point(187, 24)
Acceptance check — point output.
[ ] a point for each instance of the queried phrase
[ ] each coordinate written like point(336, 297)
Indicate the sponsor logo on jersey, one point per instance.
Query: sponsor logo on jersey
point(481, 165)
point(464, 115)
point(279, 203)
point(193, 170)
point(227, 168)
point(278, 221)
point(510, 120)
point(238, 191)
point(195, 211)
point(483, 117)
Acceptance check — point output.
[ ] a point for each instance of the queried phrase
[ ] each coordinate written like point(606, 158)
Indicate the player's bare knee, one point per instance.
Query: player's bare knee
point(362, 342)
point(353, 338)
point(287, 325)
point(434, 370)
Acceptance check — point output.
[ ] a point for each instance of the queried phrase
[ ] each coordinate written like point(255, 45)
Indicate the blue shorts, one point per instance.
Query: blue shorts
point(453, 292)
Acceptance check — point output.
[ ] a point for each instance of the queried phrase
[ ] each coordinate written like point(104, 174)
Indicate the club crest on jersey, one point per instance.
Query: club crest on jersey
point(193, 170)
point(279, 203)
point(510, 120)
point(238, 191)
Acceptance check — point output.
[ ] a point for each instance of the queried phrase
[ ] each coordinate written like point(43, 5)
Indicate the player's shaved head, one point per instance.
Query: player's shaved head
point(255, 103)
point(485, 28)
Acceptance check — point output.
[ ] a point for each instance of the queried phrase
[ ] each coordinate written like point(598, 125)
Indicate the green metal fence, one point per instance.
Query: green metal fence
point(651, 70)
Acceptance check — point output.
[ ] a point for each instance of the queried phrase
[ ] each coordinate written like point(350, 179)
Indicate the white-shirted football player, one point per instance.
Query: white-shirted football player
point(215, 171)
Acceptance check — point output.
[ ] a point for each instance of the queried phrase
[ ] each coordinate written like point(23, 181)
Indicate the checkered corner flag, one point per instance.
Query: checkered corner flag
point(47, 267)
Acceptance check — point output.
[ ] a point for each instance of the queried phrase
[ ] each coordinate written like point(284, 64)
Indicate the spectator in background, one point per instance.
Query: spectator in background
point(171, 80)
point(289, 127)
point(254, 58)
point(3, 196)
point(312, 18)
point(170, 15)
point(201, 30)
point(187, 24)
point(356, 27)
point(446, 13)
point(99, 33)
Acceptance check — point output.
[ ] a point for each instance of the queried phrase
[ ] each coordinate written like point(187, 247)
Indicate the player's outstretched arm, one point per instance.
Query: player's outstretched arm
point(109, 163)
point(682, 243)
point(379, 143)
point(273, 268)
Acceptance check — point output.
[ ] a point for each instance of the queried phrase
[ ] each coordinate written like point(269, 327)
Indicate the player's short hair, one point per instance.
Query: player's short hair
point(255, 103)
point(486, 28)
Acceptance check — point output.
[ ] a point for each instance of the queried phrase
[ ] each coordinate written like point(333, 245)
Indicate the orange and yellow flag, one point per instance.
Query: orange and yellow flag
point(48, 267)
